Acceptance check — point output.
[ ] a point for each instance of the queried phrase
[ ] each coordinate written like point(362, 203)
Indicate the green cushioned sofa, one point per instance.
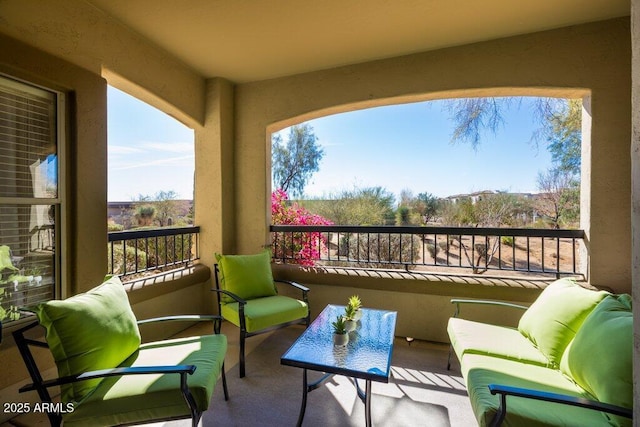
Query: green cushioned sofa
point(568, 363)
point(107, 376)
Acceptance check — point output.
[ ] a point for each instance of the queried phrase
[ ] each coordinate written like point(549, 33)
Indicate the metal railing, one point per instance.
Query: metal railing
point(440, 249)
point(140, 251)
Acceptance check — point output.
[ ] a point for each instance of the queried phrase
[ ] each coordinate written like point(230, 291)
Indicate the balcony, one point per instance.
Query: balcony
point(589, 57)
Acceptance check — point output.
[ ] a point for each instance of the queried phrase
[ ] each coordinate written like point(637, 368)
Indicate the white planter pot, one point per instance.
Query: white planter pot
point(350, 325)
point(340, 339)
point(358, 315)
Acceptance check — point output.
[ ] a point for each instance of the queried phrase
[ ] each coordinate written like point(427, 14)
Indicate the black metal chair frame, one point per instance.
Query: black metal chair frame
point(243, 327)
point(41, 386)
point(503, 391)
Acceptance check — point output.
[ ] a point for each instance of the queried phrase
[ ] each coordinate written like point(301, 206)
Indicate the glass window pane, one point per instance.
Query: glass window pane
point(28, 154)
point(27, 257)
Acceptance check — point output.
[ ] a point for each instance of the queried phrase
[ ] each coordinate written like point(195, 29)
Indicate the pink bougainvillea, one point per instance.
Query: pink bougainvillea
point(303, 248)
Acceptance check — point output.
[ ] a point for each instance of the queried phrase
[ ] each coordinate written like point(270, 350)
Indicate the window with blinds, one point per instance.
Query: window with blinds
point(30, 199)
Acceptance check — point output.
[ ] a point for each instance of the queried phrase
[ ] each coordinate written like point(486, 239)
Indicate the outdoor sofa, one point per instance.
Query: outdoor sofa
point(568, 363)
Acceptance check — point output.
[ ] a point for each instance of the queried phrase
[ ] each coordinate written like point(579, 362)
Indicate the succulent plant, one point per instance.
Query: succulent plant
point(339, 326)
point(354, 301)
point(349, 312)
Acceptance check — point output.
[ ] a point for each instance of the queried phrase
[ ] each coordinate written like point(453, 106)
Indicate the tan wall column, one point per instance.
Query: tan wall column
point(605, 210)
point(214, 181)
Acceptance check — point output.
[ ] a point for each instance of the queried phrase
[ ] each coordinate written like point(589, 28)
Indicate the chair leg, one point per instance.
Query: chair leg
point(224, 384)
point(449, 358)
point(242, 338)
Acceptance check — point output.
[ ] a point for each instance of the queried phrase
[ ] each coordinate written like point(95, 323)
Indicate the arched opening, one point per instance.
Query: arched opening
point(485, 163)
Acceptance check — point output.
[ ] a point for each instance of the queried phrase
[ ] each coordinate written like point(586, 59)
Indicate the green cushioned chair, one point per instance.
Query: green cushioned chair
point(248, 297)
point(107, 376)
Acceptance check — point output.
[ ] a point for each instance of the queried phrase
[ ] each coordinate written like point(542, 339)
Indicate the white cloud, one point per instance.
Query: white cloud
point(172, 147)
point(160, 162)
point(121, 149)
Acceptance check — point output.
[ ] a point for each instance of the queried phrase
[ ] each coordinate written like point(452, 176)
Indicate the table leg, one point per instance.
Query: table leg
point(367, 403)
point(305, 390)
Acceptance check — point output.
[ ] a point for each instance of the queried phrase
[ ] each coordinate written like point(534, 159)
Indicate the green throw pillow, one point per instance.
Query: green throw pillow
point(248, 276)
point(90, 331)
point(5, 259)
point(554, 318)
point(600, 358)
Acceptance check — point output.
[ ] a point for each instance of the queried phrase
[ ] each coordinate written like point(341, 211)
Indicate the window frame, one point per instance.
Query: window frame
point(60, 201)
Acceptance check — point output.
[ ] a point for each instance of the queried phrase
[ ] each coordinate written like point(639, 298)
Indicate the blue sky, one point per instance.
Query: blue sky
point(395, 147)
point(149, 151)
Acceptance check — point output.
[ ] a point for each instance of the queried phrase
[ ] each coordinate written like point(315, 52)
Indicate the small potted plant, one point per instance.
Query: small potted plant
point(356, 304)
point(350, 322)
point(340, 336)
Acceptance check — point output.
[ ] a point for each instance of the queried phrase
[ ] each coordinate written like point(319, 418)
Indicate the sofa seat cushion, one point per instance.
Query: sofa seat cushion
point(152, 396)
point(480, 371)
point(492, 340)
point(265, 312)
point(90, 331)
point(600, 358)
point(553, 319)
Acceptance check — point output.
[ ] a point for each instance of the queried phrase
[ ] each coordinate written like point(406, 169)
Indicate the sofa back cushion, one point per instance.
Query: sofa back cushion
point(600, 357)
point(90, 331)
point(248, 276)
point(554, 318)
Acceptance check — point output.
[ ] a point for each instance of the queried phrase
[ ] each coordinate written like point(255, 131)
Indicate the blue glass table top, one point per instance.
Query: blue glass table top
point(366, 356)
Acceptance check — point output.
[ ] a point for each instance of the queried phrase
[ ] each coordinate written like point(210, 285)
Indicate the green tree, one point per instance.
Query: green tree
point(360, 206)
point(166, 207)
point(145, 214)
point(559, 197)
point(560, 124)
point(428, 206)
point(563, 130)
point(472, 115)
point(295, 161)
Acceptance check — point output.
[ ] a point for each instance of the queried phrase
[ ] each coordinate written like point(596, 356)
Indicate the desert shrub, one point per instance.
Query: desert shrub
point(481, 250)
point(126, 263)
point(384, 250)
point(433, 249)
point(115, 227)
point(507, 240)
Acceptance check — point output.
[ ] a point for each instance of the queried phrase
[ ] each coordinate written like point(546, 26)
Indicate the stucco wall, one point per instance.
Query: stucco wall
point(84, 253)
point(87, 37)
point(577, 61)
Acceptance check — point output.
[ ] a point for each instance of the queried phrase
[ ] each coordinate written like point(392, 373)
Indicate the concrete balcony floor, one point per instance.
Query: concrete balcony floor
point(424, 394)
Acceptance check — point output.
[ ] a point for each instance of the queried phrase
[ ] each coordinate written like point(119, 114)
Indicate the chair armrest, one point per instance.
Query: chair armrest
point(182, 317)
point(232, 295)
point(217, 320)
point(113, 372)
point(526, 393)
point(458, 302)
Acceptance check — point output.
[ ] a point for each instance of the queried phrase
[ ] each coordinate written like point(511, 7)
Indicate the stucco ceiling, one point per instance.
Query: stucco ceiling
point(248, 40)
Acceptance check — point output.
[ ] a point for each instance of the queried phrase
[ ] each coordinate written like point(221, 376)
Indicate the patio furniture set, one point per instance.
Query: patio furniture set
point(575, 339)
